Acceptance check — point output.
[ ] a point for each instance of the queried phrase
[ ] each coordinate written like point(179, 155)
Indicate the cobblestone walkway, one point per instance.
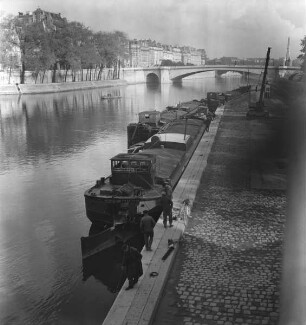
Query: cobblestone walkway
point(228, 268)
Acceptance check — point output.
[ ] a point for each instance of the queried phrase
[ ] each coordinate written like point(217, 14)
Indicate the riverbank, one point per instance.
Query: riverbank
point(241, 260)
point(58, 87)
point(229, 262)
point(228, 269)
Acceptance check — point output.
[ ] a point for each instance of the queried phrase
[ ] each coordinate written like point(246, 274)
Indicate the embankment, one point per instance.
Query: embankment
point(57, 87)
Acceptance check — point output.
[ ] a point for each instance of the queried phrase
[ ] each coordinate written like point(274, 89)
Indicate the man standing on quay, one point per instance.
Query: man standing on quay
point(147, 224)
point(167, 205)
point(131, 265)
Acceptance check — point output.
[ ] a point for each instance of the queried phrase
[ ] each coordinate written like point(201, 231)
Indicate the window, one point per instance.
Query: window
point(144, 165)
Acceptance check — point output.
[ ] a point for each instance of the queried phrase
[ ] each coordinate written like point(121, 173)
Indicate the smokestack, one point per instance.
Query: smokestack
point(288, 59)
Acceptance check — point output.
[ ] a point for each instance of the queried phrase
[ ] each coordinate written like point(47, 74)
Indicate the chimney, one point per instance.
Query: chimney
point(288, 59)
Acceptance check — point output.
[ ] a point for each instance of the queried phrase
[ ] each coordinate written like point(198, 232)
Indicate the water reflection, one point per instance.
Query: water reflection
point(52, 148)
point(41, 127)
point(105, 266)
point(154, 87)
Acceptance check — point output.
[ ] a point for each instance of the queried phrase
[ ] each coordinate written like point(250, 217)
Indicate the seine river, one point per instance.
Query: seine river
point(52, 148)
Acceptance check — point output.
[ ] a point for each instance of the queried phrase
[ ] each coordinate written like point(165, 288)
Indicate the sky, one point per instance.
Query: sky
point(240, 28)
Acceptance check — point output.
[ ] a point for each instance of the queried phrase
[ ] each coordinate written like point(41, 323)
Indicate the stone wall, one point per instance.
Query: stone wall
point(12, 78)
point(57, 87)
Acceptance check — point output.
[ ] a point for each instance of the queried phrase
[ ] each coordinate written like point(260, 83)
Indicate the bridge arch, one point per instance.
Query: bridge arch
point(178, 73)
point(180, 77)
point(152, 78)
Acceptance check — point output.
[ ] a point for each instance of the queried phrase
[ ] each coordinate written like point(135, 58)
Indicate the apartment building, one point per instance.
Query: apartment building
point(146, 53)
point(40, 15)
point(156, 55)
point(177, 54)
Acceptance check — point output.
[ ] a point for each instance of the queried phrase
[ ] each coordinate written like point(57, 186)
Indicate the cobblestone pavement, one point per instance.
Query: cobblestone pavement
point(228, 267)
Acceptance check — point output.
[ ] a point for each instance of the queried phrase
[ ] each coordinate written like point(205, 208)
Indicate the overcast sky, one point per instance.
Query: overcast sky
point(242, 28)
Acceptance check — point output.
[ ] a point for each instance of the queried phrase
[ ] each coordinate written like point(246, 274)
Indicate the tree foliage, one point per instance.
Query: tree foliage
point(169, 63)
point(302, 56)
point(63, 45)
point(112, 49)
point(9, 55)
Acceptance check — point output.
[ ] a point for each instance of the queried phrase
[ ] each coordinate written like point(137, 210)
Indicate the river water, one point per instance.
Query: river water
point(52, 148)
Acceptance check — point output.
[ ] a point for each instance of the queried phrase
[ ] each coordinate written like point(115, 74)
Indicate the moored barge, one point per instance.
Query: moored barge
point(151, 121)
point(137, 179)
point(116, 203)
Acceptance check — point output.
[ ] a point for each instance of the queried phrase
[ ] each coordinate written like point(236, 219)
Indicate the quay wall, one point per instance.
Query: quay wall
point(13, 76)
point(139, 306)
point(58, 87)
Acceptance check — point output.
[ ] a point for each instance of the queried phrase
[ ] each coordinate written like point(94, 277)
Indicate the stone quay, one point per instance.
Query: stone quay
point(229, 253)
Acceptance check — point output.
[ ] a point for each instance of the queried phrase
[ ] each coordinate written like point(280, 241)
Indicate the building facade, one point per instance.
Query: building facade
point(147, 53)
point(39, 15)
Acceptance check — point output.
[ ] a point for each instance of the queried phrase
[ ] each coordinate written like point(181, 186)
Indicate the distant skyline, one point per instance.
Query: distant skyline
point(241, 28)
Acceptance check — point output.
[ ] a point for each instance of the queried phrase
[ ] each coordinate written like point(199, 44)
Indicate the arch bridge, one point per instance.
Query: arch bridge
point(163, 74)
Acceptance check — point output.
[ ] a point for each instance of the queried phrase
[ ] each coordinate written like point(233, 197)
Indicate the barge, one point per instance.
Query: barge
point(137, 179)
point(116, 203)
point(150, 122)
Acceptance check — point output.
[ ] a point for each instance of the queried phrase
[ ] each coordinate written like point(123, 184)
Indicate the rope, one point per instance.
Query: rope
point(134, 132)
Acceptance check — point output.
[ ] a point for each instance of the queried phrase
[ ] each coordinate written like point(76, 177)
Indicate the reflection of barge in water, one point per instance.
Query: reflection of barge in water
point(105, 265)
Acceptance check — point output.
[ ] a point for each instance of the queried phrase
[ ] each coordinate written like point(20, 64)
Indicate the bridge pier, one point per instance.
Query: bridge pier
point(165, 75)
point(133, 75)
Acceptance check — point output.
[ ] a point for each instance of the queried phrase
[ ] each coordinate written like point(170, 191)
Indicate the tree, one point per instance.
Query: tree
point(24, 45)
point(61, 44)
point(303, 55)
point(58, 44)
point(38, 56)
point(169, 63)
point(73, 46)
point(30, 43)
point(112, 50)
point(9, 49)
point(82, 53)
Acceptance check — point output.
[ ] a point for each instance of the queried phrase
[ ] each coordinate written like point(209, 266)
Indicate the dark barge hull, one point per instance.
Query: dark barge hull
point(110, 237)
point(97, 213)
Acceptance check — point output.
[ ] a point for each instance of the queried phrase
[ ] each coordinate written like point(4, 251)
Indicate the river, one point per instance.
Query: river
point(52, 148)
